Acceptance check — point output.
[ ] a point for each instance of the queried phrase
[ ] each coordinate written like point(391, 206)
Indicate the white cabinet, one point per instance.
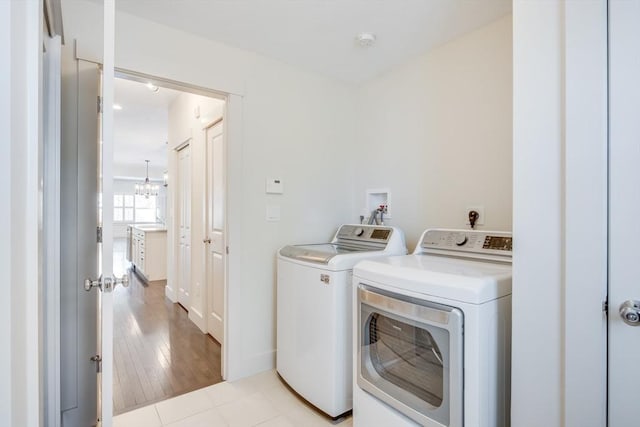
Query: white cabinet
point(149, 251)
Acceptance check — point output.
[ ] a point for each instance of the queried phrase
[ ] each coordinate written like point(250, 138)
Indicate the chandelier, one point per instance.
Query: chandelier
point(146, 189)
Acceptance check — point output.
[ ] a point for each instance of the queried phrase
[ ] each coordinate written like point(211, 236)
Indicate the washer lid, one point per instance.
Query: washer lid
point(456, 279)
point(320, 253)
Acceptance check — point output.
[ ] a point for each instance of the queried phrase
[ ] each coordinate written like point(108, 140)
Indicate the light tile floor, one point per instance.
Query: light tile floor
point(261, 400)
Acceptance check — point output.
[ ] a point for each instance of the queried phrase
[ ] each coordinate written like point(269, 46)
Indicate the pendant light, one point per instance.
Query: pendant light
point(146, 189)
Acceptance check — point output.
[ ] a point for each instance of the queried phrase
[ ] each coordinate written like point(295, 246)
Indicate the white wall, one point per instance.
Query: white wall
point(437, 132)
point(20, 225)
point(183, 126)
point(139, 170)
point(297, 126)
point(559, 264)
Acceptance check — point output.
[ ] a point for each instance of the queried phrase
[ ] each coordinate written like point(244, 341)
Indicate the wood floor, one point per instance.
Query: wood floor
point(158, 352)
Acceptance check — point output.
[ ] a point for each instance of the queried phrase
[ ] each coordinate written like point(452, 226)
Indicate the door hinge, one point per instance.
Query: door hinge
point(99, 234)
point(227, 250)
point(98, 361)
point(99, 104)
point(605, 307)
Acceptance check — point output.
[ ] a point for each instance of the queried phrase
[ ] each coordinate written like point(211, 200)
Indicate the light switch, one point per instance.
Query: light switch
point(273, 213)
point(274, 186)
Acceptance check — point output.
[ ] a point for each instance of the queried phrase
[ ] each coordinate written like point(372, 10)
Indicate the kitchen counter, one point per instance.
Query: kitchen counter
point(149, 250)
point(150, 227)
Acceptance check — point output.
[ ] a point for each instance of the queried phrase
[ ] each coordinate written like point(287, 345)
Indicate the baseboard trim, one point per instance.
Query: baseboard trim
point(241, 368)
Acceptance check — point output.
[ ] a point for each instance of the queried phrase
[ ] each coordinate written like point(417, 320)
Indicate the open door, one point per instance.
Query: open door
point(79, 247)
point(107, 282)
point(86, 307)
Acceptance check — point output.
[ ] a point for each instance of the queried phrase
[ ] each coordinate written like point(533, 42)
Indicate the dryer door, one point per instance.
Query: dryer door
point(410, 355)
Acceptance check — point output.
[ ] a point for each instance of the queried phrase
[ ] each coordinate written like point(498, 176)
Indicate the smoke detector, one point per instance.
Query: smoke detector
point(366, 39)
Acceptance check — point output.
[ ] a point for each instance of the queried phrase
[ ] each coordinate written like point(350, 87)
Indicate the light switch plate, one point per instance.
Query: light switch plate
point(274, 186)
point(273, 213)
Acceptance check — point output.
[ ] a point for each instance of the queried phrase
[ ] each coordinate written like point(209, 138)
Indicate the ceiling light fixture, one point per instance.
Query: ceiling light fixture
point(366, 39)
point(146, 189)
point(152, 87)
point(117, 107)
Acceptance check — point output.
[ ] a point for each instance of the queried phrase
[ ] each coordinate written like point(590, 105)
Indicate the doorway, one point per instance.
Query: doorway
point(161, 347)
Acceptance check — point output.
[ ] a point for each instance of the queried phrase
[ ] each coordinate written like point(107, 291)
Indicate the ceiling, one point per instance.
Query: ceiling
point(319, 35)
point(140, 128)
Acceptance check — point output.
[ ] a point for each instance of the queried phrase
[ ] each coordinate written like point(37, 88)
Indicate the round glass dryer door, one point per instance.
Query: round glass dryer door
point(411, 355)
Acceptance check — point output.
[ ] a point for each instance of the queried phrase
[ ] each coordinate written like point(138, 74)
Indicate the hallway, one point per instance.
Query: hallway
point(158, 352)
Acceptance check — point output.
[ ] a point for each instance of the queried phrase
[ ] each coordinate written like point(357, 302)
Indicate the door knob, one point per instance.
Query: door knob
point(90, 284)
point(630, 312)
point(106, 284)
point(206, 240)
point(124, 281)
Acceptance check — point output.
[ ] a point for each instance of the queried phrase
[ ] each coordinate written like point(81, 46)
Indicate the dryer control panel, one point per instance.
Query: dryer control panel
point(469, 243)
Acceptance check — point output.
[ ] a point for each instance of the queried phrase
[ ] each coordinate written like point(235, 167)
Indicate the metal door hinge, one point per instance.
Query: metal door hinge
point(605, 307)
point(98, 361)
point(99, 104)
point(99, 234)
point(227, 250)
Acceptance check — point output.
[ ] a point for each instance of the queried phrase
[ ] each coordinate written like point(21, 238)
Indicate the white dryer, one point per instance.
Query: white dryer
point(314, 298)
point(432, 333)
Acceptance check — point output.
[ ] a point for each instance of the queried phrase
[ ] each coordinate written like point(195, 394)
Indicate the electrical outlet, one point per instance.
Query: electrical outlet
point(479, 209)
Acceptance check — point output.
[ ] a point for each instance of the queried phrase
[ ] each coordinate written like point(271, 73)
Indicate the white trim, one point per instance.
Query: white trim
point(6, 130)
point(234, 363)
point(86, 52)
point(51, 291)
point(105, 377)
point(559, 228)
point(182, 145)
point(22, 372)
point(585, 213)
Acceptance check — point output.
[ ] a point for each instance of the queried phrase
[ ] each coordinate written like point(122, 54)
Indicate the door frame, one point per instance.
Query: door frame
point(233, 137)
point(233, 133)
point(559, 213)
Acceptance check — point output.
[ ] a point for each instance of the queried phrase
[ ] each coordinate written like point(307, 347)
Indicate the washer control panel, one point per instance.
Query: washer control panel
point(371, 233)
point(467, 242)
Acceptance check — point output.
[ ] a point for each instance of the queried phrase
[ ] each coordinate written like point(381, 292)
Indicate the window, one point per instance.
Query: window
point(130, 208)
point(146, 208)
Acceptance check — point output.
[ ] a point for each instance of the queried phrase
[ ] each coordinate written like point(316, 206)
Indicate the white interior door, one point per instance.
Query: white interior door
point(105, 183)
point(215, 235)
point(624, 206)
point(86, 319)
point(184, 214)
point(78, 246)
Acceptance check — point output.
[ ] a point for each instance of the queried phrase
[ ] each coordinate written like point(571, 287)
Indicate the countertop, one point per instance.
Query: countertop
point(149, 228)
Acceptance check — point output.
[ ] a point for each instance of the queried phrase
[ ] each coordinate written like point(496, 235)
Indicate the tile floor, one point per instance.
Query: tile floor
point(261, 400)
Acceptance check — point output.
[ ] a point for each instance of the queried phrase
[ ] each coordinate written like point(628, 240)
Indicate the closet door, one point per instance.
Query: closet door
point(184, 214)
point(215, 239)
point(624, 204)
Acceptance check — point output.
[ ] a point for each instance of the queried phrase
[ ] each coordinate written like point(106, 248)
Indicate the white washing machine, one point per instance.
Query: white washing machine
point(432, 333)
point(314, 299)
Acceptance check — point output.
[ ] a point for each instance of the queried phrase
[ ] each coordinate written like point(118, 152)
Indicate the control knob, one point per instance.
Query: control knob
point(460, 239)
point(358, 231)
